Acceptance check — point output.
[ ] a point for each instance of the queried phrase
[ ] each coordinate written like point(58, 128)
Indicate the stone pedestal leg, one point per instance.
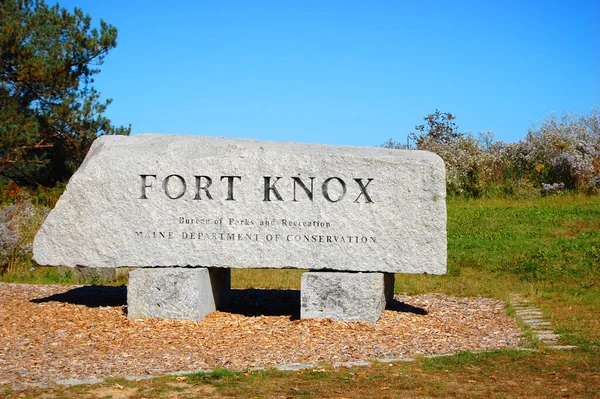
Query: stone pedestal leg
point(388, 283)
point(177, 293)
point(220, 280)
point(345, 295)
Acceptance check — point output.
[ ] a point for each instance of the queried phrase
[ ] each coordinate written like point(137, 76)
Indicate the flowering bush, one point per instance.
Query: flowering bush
point(559, 154)
point(550, 188)
point(563, 150)
point(18, 224)
point(463, 157)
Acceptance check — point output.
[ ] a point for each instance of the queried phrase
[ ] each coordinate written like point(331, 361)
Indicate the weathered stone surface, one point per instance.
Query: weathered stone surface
point(177, 293)
point(168, 200)
point(344, 296)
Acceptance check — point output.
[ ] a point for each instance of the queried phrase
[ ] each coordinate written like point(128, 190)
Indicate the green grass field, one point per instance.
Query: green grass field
point(546, 249)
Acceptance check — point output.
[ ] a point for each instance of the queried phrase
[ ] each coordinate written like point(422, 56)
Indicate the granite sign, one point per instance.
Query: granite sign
point(165, 200)
point(152, 201)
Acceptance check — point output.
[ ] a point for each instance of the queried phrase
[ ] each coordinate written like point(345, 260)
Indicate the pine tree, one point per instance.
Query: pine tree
point(49, 111)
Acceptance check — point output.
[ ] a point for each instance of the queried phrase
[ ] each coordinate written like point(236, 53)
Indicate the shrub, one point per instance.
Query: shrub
point(561, 153)
point(463, 156)
point(563, 150)
point(19, 222)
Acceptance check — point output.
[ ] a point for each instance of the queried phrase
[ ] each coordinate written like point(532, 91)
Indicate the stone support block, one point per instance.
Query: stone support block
point(345, 296)
point(177, 293)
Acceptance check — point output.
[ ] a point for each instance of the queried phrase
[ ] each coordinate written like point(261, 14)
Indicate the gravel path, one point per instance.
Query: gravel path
point(52, 332)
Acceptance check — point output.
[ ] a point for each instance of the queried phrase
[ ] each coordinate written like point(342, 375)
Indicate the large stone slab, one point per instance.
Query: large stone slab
point(169, 200)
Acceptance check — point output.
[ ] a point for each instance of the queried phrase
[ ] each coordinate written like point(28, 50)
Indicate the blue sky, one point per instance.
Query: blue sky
point(346, 72)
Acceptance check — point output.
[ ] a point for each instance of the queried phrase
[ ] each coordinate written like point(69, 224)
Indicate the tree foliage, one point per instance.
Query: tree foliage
point(438, 127)
point(49, 111)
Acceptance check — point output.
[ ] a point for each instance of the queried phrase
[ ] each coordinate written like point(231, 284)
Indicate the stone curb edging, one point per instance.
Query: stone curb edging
point(534, 319)
point(284, 367)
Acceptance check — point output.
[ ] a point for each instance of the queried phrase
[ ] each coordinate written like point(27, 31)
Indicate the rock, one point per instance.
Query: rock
point(344, 296)
point(177, 293)
point(169, 200)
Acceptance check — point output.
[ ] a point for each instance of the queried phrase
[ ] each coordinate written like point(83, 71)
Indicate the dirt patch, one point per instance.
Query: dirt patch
point(113, 392)
point(200, 389)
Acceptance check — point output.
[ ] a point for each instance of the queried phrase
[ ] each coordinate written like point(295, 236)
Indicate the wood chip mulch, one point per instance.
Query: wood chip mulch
point(51, 332)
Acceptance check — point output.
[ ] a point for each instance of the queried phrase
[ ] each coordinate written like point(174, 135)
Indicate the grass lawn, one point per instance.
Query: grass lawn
point(546, 249)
